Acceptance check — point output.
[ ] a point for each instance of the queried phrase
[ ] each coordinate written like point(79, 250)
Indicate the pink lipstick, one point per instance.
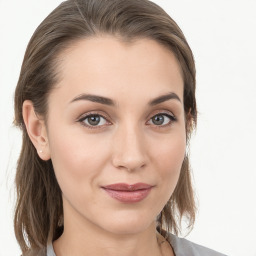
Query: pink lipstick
point(126, 193)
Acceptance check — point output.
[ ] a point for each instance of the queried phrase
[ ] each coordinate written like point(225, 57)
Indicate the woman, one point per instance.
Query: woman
point(106, 103)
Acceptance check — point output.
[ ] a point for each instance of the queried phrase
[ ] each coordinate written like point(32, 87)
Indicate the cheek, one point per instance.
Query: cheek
point(77, 160)
point(171, 153)
point(169, 159)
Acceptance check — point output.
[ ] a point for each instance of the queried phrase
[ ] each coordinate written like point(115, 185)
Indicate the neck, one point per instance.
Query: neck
point(105, 243)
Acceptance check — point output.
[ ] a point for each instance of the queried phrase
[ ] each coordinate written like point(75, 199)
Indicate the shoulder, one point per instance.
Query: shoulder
point(183, 247)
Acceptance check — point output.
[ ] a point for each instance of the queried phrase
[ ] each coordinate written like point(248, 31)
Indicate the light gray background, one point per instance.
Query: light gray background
point(222, 35)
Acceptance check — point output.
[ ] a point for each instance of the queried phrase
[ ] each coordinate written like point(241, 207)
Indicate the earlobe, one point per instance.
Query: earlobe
point(36, 130)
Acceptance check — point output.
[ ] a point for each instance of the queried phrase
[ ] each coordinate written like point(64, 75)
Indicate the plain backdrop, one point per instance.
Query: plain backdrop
point(222, 35)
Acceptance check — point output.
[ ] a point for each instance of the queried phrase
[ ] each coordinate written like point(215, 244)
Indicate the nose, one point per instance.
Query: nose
point(129, 150)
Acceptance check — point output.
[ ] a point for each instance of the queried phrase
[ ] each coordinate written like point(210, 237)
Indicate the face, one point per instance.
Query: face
point(116, 132)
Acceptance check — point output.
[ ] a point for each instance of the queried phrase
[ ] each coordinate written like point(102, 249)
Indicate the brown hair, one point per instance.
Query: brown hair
point(39, 208)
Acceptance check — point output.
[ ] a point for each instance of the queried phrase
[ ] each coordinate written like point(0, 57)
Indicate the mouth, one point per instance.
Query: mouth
point(128, 193)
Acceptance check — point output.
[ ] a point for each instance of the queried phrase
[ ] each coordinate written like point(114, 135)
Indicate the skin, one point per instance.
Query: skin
point(125, 147)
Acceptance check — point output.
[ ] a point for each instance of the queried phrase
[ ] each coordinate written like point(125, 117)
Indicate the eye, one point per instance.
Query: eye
point(162, 119)
point(93, 120)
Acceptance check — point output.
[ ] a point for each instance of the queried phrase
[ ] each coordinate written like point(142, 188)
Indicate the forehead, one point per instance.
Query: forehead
point(108, 65)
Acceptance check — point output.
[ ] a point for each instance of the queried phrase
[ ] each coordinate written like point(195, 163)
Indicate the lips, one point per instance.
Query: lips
point(128, 193)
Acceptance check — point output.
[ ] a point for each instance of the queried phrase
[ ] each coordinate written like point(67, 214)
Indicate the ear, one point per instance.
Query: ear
point(36, 130)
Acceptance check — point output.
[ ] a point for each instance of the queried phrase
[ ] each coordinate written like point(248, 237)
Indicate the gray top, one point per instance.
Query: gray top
point(181, 247)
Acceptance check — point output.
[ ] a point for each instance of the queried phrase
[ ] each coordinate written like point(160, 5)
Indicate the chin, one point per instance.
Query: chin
point(129, 223)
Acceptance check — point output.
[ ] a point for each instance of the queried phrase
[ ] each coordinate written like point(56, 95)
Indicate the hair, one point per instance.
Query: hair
point(39, 208)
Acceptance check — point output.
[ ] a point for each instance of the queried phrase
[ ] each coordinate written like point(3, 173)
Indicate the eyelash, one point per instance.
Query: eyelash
point(88, 115)
point(170, 116)
point(83, 118)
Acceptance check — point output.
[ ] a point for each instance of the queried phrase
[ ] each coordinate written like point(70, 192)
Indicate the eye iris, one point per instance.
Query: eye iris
point(158, 120)
point(93, 120)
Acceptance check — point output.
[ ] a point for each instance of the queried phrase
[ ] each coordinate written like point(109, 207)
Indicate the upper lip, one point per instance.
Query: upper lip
point(128, 187)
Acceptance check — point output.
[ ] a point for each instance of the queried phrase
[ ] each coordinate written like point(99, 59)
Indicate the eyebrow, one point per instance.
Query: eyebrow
point(94, 98)
point(163, 98)
point(110, 102)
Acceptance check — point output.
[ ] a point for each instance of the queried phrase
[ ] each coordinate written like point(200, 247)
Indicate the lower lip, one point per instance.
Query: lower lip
point(128, 196)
